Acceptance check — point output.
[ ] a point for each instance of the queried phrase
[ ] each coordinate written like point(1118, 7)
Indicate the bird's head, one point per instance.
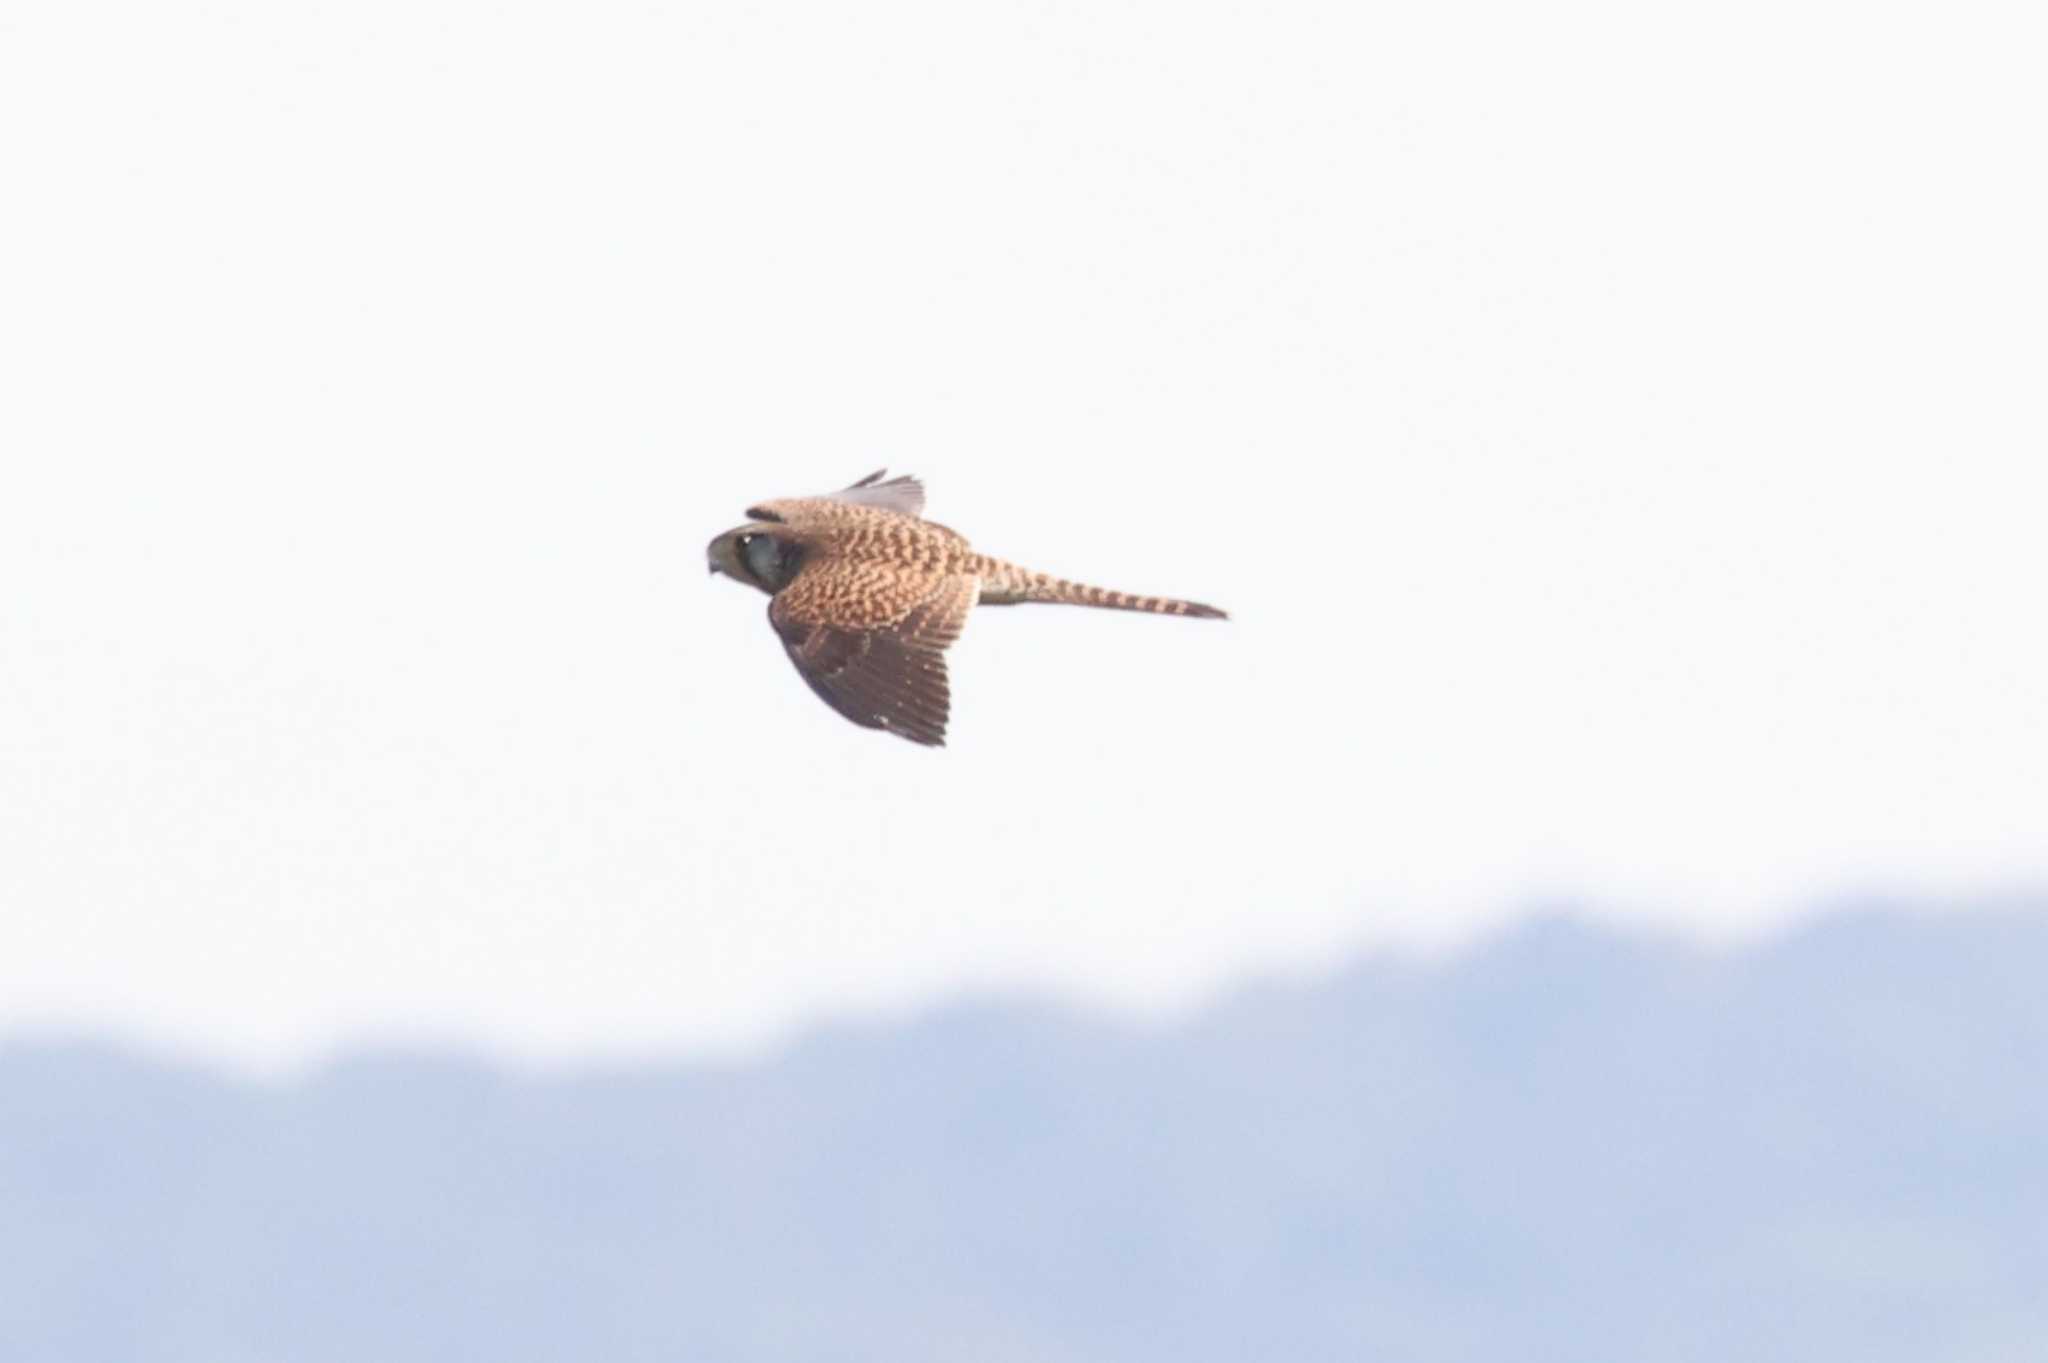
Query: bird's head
point(758, 554)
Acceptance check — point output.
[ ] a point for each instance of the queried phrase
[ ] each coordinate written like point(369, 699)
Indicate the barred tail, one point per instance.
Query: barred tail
point(1006, 584)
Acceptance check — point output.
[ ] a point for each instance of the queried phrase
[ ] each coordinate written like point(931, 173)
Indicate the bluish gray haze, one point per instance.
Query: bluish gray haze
point(1567, 1145)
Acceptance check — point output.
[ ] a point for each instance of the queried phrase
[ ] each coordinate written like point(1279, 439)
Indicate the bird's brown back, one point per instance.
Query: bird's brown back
point(870, 534)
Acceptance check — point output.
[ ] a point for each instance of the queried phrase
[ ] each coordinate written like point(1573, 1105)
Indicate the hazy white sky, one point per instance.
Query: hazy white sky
point(1618, 431)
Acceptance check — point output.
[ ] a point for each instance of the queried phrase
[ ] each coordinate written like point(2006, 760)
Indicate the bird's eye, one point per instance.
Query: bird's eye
point(764, 559)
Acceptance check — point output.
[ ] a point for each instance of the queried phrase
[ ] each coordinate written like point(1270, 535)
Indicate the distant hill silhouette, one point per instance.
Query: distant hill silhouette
point(1568, 1144)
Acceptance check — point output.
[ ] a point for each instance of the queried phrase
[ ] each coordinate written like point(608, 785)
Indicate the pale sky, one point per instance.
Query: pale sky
point(1618, 432)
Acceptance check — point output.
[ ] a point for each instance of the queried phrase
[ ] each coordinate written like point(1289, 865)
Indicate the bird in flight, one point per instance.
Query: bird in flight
point(866, 596)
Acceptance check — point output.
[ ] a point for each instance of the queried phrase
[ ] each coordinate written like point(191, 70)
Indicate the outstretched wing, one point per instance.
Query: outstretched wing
point(903, 495)
point(872, 643)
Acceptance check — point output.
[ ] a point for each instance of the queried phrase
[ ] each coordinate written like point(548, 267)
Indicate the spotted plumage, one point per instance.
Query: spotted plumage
point(867, 596)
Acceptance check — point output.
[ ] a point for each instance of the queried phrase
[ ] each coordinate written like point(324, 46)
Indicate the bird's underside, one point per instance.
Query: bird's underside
point(866, 596)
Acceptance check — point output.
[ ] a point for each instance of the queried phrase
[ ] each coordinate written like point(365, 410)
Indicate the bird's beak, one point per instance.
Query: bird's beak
point(714, 569)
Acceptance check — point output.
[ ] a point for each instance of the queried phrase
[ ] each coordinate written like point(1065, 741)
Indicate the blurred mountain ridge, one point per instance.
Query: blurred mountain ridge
point(1568, 1142)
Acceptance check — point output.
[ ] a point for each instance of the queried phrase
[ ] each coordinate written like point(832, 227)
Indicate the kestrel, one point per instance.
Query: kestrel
point(866, 596)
